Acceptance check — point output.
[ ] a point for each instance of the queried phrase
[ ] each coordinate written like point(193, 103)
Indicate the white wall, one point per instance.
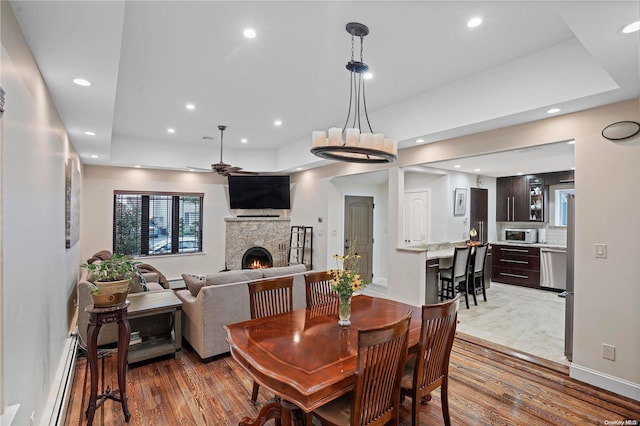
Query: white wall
point(39, 273)
point(97, 213)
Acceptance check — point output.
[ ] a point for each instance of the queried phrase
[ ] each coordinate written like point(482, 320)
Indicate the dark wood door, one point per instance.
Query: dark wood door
point(479, 211)
point(358, 232)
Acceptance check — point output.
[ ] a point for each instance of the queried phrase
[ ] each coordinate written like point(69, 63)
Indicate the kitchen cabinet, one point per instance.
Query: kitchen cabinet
point(512, 199)
point(513, 264)
point(479, 212)
point(558, 178)
point(536, 198)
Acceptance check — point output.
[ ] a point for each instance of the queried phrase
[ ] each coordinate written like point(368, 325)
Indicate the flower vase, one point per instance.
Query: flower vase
point(345, 311)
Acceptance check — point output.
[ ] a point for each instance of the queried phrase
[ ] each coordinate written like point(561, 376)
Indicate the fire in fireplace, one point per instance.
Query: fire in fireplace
point(257, 258)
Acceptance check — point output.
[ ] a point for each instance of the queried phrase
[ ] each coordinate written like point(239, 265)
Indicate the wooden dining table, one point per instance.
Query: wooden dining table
point(305, 358)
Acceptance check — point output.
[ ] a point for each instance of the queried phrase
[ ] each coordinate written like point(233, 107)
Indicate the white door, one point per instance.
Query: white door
point(416, 217)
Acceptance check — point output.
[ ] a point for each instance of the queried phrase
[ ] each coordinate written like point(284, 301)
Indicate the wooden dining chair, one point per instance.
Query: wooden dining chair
point(268, 297)
point(318, 288)
point(430, 368)
point(455, 279)
point(375, 400)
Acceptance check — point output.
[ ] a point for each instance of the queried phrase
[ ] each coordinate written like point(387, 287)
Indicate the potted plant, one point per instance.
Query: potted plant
point(112, 279)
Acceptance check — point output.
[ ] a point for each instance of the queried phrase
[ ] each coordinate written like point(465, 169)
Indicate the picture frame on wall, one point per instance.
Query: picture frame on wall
point(460, 202)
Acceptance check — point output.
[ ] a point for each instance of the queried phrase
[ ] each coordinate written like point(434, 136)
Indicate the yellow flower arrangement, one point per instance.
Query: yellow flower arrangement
point(346, 279)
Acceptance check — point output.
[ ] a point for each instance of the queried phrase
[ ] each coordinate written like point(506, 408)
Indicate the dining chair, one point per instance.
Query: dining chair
point(375, 400)
point(455, 278)
point(476, 270)
point(268, 297)
point(430, 368)
point(318, 288)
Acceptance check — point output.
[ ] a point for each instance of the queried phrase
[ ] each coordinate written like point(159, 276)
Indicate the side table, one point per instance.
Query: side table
point(97, 318)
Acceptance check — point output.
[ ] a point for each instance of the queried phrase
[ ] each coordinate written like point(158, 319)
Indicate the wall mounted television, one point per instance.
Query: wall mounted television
point(259, 192)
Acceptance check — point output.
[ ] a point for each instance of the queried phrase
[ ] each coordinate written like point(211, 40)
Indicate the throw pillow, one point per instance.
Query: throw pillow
point(139, 285)
point(194, 283)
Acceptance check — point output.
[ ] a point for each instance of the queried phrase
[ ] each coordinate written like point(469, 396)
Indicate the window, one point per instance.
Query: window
point(147, 224)
point(561, 205)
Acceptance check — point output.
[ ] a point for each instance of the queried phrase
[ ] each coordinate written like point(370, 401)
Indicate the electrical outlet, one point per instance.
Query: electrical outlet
point(600, 251)
point(608, 352)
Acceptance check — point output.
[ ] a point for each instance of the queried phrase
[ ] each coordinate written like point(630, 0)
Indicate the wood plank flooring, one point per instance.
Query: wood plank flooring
point(488, 385)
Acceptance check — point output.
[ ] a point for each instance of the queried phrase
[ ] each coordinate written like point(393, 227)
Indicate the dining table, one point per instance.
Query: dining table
point(305, 358)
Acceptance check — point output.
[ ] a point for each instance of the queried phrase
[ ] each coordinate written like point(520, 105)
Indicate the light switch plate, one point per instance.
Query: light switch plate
point(608, 352)
point(600, 251)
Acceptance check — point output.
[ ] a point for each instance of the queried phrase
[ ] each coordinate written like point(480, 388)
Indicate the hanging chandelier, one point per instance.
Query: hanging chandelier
point(350, 143)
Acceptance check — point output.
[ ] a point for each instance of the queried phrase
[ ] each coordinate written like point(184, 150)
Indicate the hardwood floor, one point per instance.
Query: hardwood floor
point(489, 384)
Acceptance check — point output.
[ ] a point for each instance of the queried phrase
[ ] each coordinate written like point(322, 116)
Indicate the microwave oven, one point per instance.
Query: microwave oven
point(521, 235)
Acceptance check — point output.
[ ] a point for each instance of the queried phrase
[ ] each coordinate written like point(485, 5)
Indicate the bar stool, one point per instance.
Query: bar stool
point(455, 278)
point(476, 271)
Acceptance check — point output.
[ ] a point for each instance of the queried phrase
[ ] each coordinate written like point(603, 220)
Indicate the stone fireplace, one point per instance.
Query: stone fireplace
point(257, 258)
point(271, 234)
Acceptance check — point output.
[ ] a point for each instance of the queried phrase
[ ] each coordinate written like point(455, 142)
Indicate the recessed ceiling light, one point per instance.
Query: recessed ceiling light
point(94, 156)
point(137, 166)
point(419, 140)
point(82, 82)
point(249, 33)
point(571, 142)
point(190, 106)
point(553, 110)
point(519, 173)
point(368, 76)
point(192, 170)
point(277, 123)
point(476, 170)
point(457, 166)
point(631, 28)
point(171, 130)
point(299, 168)
point(90, 133)
point(474, 22)
point(244, 140)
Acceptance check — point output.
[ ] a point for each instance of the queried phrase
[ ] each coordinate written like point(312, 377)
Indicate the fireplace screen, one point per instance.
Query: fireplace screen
point(257, 258)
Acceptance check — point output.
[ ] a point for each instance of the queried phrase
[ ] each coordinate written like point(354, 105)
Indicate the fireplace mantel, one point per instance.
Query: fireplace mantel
point(243, 233)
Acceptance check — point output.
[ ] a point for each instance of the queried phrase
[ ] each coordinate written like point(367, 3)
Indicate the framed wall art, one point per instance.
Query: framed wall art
point(460, 202)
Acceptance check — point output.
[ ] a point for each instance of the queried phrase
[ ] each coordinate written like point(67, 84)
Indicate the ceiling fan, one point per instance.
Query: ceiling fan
point(221, 167)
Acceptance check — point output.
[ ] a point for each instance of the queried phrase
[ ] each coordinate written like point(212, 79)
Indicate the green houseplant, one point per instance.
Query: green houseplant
point(112, 279)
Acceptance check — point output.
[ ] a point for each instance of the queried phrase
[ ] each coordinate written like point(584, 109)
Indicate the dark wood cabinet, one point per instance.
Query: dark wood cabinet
point(519, 265)
point(558, 178)
point(512, 199)
point(479, 212)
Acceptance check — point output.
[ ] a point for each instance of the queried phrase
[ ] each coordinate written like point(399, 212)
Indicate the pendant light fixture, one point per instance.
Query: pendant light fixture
point(350, 143)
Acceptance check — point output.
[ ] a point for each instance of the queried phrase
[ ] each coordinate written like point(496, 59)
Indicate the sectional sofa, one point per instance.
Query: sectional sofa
point(212, 301)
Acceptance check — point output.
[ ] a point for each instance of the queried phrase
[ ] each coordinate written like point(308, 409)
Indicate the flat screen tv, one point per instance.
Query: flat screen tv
point(259, 192)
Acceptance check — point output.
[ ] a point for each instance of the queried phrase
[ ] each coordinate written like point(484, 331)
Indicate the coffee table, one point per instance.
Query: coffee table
point(157, 316)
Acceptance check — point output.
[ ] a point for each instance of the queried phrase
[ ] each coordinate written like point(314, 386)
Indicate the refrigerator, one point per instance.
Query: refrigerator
point(571, 242)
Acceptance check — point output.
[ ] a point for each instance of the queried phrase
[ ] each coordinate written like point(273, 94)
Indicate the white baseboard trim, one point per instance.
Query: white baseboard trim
point(605, 381)
point(56, 406)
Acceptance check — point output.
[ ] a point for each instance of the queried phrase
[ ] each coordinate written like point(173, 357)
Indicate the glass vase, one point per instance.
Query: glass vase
point(345, 311)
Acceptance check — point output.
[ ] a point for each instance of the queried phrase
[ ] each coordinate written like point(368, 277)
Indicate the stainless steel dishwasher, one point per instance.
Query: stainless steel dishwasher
point(553, 268)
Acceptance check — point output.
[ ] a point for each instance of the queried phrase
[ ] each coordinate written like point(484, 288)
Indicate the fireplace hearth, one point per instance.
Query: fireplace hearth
point(257, 258)
point(244, 233)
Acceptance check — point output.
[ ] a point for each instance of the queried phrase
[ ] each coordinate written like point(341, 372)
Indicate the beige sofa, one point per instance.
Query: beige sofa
point(212, 301)
point(108, 332)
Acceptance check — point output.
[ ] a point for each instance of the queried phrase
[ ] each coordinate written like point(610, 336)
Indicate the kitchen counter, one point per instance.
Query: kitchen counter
point(539, 245)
